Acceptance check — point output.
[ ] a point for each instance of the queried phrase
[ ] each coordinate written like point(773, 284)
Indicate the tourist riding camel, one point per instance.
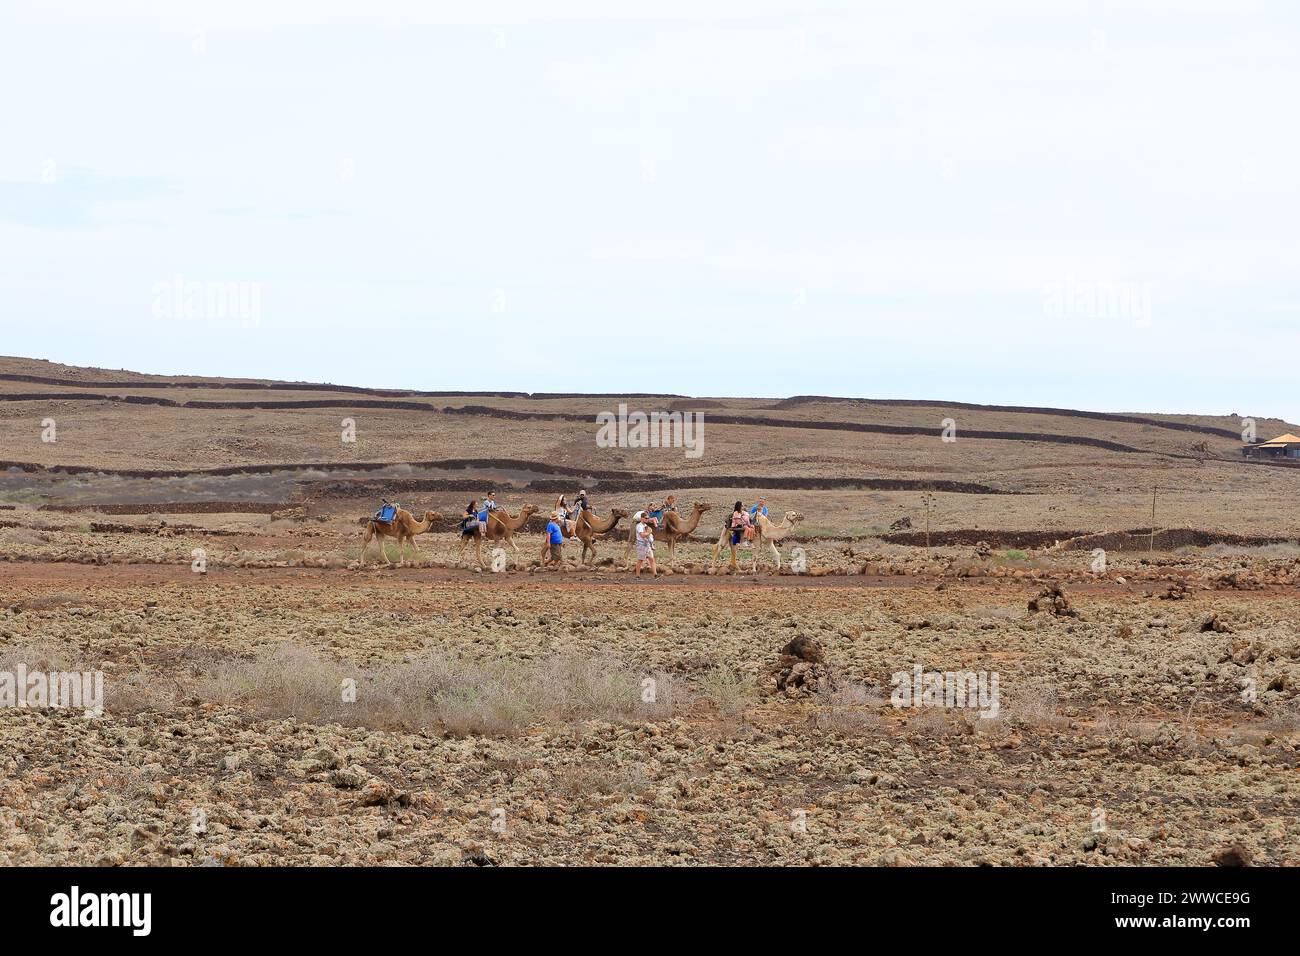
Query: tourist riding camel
point(735, 529)
point(769, 532)
point(588, 526)
point(671, 529)
point(401, 526)
point(500, 527)
point(470, 530)
point(761, 531)
point(485, 510)
point(565, 515)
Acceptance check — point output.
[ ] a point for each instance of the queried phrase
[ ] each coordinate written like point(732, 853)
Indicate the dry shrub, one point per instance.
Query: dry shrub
point(53, 601)
point(451, 694)
point(930, 722)
point(1106, 727)
point(851, 710)
point(1283, 717)
point(288, 682)
point(37, 656)
point(122, 695)
point(995, 727)
point(138, 692)
point(577, 781)
point(1035, 705)
point(728, 692)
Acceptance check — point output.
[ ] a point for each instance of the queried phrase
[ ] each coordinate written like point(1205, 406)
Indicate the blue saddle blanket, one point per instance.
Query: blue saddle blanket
point(386, 513)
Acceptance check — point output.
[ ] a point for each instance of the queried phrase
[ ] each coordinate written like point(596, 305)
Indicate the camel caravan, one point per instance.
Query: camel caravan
point(753, 529)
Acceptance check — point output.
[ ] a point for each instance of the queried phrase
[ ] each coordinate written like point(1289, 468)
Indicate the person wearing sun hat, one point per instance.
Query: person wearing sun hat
point(553, 547)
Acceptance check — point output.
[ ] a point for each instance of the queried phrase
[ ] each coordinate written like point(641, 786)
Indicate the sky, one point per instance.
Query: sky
point(1079, 204)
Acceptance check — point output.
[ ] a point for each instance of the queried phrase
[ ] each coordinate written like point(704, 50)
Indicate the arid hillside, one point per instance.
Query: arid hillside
point(853, 467)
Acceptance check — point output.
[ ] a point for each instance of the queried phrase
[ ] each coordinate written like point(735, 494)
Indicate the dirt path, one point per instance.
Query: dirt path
point(64, 574)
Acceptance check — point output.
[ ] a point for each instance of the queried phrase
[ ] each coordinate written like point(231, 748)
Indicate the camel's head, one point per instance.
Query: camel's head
point(702, 506)
point(528, 510)
point(432, 516)
point(618, 512)
point(793, 517)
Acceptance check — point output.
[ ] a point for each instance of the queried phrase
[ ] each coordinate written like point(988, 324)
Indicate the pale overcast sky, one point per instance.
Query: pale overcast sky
point(1087, 204)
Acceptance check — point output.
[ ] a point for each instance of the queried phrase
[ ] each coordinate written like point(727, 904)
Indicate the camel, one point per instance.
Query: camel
point(403, 527)
point(502, 527)
point(674, 528)
point(770, 532)
point(766, 532)
point(588, 526)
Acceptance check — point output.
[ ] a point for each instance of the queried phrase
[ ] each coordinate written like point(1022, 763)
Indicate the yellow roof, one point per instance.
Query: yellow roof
point(1287, 439)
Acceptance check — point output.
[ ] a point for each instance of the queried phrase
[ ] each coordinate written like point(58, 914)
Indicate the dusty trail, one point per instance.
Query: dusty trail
point(64, 574)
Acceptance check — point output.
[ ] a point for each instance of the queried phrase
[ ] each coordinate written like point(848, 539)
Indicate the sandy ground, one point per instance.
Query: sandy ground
point(1128, 714)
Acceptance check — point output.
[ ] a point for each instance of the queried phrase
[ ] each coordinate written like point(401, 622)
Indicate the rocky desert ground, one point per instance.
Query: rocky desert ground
point(271, 700)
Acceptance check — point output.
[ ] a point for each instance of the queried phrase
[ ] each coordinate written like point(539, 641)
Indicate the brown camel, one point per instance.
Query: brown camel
point(403, 527)
point(674, 528)
point(588, 526)
point(502, 527)
point(766, 531)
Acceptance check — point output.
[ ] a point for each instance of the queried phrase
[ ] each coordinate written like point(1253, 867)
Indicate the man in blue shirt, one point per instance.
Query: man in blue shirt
point(758, 509)
point(553, 548)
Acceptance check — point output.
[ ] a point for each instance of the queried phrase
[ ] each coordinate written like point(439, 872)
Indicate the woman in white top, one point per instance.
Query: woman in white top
point(645, 547)
point(562, 510)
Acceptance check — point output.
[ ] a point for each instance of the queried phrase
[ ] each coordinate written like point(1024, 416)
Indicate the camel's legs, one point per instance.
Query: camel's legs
point(776, 554)
point(365, 542)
